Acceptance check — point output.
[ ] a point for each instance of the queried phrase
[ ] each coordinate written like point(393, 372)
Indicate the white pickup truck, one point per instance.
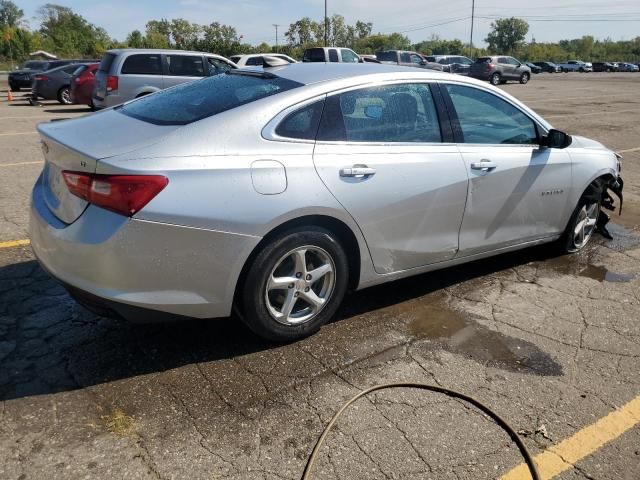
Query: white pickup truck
point(576, 66)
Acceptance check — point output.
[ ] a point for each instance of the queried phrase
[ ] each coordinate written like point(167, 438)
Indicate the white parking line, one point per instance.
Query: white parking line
point(18, 164)
point(17, 133)
point(636, 149)
point(589, 114)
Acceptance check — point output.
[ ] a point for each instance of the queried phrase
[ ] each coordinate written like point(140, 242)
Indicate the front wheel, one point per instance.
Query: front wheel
point(584, 220)
point(295, 284)
point(64, 96)
point(495, 79)
point(524, 78)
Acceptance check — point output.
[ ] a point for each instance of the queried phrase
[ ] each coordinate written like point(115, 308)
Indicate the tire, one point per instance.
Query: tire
point(524, 78)
point(64, 96)
point(581, 70)
point(589, 205)
point(263, 307)
point(495, 79)
point(13, 88)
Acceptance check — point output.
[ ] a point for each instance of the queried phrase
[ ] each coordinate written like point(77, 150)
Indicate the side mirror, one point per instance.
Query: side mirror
point(556, 139)
point(423, 62)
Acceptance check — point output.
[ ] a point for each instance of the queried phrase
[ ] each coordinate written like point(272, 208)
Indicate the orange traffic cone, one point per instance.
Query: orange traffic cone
point(9, 96)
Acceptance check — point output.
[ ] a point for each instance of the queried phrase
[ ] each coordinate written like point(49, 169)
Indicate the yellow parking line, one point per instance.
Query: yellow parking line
point(636, 149)
point(18, 164)
point(14, 243)
point(565, 454)
point(17, 133)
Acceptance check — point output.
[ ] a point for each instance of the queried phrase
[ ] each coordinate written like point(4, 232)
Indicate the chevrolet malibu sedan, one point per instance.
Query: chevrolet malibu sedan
point(275, 192)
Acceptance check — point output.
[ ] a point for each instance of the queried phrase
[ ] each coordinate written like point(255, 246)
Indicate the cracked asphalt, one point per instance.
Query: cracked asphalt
point(551, 343)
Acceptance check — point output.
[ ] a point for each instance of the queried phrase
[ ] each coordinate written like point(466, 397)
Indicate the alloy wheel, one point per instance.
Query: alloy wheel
point(300, 285)
point(65, 95)
point(585, 225)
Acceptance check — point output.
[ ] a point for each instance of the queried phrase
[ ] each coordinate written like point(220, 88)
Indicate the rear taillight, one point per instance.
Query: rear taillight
point(489, 66)
point(41, 78)
point(123, 194)
point(112, 83)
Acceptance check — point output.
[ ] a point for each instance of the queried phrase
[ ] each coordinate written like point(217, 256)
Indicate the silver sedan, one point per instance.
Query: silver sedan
point(280, 190)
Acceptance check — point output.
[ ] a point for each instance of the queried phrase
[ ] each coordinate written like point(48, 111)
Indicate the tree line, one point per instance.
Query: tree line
point(69, 35)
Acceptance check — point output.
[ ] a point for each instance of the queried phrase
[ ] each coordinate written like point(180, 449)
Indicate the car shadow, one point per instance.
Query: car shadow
point(69, 110)
point(50, 344)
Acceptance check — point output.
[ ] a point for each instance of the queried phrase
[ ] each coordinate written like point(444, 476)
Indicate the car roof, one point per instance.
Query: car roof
point(316, 72)
point(118, 51)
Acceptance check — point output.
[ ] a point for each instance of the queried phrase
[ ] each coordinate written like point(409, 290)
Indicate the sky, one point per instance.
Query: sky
point(549, 20)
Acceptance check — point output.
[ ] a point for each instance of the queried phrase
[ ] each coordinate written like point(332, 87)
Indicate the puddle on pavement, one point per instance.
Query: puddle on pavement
point(570, 265)
point(459, 334)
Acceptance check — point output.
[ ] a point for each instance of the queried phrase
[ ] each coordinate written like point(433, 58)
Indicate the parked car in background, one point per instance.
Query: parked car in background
point(83, 81)
point(452, 63)
point(576, 66)
point(548, 67)
point(54, 84)
point(627, 67)
point(500, 69)
point(407, 59)
point(257, 59)
point(604, 67)
point(330, 55)
point(278, 192)
point(125, 74)
point(22, 77)
point(534, 68)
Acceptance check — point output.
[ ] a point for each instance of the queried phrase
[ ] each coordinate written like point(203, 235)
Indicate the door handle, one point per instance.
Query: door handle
point(357, 171)
point(484, 165)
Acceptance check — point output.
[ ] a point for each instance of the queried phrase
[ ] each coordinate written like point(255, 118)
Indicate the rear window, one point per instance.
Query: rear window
point(79, 70)
point(142, 64)
point(107, 60)
point(387, 56)
point(34, 65)
point(193, 101)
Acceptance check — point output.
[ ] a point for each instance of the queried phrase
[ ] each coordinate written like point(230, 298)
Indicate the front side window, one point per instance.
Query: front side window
point(217, 66)
point(142, 64)
point(303, 123)
point(185, 66)
point(193, 101)
point(416, 59)
point(348, 56)
point(392, 113)
point(486, 118)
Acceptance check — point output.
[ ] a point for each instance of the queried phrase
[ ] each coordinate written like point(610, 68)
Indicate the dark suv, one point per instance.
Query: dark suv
point(22, 77)
point(500, 69)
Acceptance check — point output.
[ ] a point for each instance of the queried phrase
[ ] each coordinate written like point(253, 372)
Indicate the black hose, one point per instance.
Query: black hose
point(451, 393)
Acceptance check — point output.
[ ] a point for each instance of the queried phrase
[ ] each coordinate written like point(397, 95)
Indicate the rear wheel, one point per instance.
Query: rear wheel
point(64, 96)
point(524, 78)
point(495, 79)
point(295, 284)
point(584, 220)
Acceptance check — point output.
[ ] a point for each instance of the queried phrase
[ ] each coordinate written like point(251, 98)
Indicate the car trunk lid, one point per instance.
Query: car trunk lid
point(79, 144)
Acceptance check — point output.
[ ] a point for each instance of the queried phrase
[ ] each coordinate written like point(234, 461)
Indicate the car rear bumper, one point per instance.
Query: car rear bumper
point(133, 265)
point(19, 83)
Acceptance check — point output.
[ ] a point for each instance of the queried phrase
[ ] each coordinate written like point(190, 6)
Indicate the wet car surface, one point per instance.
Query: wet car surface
point(545, 340)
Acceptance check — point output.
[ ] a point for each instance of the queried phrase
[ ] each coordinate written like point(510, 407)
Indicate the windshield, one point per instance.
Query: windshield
point(194, 101)
point(34, 65)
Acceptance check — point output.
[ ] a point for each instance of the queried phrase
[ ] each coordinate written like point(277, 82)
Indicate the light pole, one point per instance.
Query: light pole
point(326, 24)
point(276, 25)
point(473, 11)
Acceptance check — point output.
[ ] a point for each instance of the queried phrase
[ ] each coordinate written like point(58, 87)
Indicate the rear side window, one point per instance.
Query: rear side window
point(185, 66)
point(387, 56)
point(392, 113)
point(70, 70)
point(255, 61)
point(486, 118)
point(235, 58)
point(193, 101)
point(314, 55)
point(333, 55)
point(142, 64)
point(483, 60)
point(303, 123)
point(107, 60)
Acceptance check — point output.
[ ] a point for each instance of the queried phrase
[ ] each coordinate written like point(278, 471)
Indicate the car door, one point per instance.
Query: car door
point(518, 190)
point(139, 71)
point(183, 68)
point(381, 153)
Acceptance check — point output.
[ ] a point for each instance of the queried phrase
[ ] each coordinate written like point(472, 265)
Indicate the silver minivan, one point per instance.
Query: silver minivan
point(125, 74)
